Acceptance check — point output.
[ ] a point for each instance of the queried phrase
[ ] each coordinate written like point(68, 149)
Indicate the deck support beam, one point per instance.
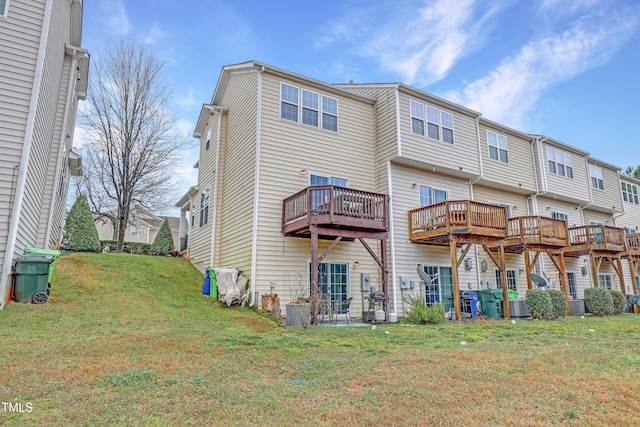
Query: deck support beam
point(564, 280)
point(633, 268)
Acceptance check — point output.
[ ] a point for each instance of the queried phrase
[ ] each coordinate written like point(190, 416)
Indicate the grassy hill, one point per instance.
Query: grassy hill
point(130, 340)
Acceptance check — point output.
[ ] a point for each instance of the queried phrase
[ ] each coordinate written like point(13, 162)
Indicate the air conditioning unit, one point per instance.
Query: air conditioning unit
point(518, 308)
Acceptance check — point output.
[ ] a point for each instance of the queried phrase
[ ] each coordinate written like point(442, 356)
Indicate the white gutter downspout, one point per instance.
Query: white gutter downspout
point(582, 208)
point(621, 200)
point(63, 143)
point(398, 139)
point(392, 237)
point(26, 152)
point(256, 188)
point(471, 184)
point(215, 190)
point(543, 175)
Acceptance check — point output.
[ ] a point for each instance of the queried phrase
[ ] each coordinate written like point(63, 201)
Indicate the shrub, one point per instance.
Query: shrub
point(128, 247)
point(80, 233)
point(421, 313)
point(539, 304)
point(598, 301)
point(558, 303)
point(163, 243)
point(619, 302)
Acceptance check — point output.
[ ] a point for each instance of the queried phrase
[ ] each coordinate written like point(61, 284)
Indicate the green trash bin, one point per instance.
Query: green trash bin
point(490, 302)
point(51, 252)
point(213, 285)
point(32, 278)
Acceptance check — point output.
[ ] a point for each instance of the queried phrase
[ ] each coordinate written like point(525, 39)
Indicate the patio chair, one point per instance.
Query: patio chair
point(343, 307)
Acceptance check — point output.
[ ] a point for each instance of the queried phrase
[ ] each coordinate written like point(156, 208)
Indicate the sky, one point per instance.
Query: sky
point(567, 69)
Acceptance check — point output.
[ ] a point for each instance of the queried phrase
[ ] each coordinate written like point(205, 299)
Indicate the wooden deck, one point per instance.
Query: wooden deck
point(344, 211)
point(536, 232)
point(602, 239)
point(462, 220)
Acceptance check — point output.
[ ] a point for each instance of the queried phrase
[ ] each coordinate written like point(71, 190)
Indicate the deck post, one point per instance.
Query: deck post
point(618, 268)
point(565, 280)
point(594, 270)
point(383, 267)
point(527, 264)
point(456, 284)
point(633, 267)
point(314, 270)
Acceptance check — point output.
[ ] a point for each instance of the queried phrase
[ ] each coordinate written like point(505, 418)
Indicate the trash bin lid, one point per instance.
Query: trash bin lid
point(52, 252)
point(33, 257)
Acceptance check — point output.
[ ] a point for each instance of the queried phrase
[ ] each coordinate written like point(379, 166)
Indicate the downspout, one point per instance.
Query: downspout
point(621, 200)
point(398, 133)
point(26, 153)
point(215, 191)
point(256, 188)
point(543, 175)
point(392, 237)
point(471, 184)
point(63, 144)
point(582, 208)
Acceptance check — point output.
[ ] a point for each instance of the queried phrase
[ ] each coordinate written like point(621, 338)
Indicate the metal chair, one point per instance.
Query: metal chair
point(343, 307)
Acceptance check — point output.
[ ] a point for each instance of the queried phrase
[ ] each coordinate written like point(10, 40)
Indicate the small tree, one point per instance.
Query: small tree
point(163, 243)
point(80, 233)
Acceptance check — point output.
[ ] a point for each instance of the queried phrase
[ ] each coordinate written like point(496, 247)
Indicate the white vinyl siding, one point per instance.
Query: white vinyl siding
point(318, 111)
point(498, 148)
point(595, 173)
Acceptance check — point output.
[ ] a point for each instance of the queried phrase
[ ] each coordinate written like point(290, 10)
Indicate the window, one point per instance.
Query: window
point(314, 107)
point(327, 180)
point(512, 280)
point(431, 196)
point(204, 207)
point(208, 143)
point(630, 193)
point(447, 127)
point(310, 108)
point(288, 102)
point(573, 289)
point(596, 177)
point(329, 113)
point(497, 147)
point(433, 123)
point(559, 162)
point(629, 230)
point(417, 118)
point(604, 281)
point(133, 231)
point(558, 215)
point(4, 8)
point(333, 280)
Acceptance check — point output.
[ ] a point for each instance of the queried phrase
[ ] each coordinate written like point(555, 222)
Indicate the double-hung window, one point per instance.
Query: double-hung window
point(417, 118)
point(430, 196)
point(604, 280)
point(319, 111)
point(559, 215)
point(447, 127)
point(559, 162)
point(204, 207)
point(498, 149)
point(433, 123)
point(596, 177)
point(4, 7)
point(133, 231)
point(630, 193)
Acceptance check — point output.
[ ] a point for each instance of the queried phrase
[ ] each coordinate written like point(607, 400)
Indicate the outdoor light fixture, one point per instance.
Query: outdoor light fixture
point(303, 172)
point(356, 263)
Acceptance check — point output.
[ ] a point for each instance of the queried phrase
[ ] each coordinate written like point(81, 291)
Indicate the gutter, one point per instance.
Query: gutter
point(256, 188)
point(26, 153)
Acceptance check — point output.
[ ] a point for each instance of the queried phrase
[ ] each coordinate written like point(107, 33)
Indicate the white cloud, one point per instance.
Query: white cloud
point(188, 100)
point(507, 93)
point(563, 7)
point(115, 17)
point(155, 35)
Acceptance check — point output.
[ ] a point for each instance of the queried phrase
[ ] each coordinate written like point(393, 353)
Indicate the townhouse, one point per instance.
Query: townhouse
point(355, 187)
point(44, 72)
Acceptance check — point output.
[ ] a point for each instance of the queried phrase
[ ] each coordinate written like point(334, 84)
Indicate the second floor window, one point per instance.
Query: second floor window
point(559, 162)
point(596, 177)
point(498, 149)
point(630, 193)
point(204, 207)
point(319, 111)
point(439, 124)
point(430, 196)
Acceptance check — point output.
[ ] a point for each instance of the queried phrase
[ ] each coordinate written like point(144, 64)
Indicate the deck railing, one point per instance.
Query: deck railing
point(633, 241)
point(538, 229)
point(335, 201)
point(602, 235)
point(458, 214)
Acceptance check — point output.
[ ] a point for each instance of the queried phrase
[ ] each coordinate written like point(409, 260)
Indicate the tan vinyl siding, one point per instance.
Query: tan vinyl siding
point(631, 217)
point(518, 173)
point(600, 217)
point(610, 197)
point(238, 171)
point(286, 149)
point(405, 198)
point(547, 205)
point(576, 188)
point(462, 153)
point(518, 202)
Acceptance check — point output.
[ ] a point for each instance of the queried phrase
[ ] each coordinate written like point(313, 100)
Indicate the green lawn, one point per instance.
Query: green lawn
point(130, 340)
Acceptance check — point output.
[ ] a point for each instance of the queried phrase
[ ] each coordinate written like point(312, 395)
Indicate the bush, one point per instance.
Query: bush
point(539, 304)
point(420, 313)
point(619, 302)
point(128, 247)
point(598, 301)
point(163, 243)
point(558, 302)
point(80, 233)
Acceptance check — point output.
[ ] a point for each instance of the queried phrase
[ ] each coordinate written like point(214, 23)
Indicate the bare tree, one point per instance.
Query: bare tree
point(132, 145)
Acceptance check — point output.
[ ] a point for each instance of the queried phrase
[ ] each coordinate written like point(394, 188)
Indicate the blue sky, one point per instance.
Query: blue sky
point(565, 69)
